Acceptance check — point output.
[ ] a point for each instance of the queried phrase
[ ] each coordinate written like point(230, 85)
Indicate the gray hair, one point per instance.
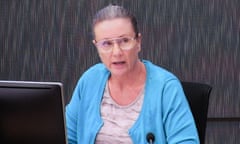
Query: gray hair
point(114, 11)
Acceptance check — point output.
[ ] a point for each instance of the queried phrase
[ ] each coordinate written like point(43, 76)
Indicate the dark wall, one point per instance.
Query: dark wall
point(198, 40)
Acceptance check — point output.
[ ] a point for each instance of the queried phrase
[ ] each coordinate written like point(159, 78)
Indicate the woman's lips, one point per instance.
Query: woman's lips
point(118, 64)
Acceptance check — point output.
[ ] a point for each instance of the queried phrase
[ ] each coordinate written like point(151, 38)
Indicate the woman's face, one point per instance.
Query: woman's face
point(118, 61)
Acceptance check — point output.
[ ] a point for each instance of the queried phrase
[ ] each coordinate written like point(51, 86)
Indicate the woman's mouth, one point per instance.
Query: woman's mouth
point(119, 63)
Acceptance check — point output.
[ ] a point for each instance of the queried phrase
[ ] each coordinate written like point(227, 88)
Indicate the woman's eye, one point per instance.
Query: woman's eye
point(107, 43)
point(125, 40)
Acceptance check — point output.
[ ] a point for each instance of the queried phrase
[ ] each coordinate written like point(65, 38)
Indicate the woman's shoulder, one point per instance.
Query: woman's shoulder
point(157, 72)
point(95, 70)
point(95, 73)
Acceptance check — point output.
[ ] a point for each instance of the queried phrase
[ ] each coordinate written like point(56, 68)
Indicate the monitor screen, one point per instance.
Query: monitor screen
point(31, 113)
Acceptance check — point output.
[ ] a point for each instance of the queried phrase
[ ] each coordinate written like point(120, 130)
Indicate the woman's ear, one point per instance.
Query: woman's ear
point(94, 42)
point(139, 37)
point(139, 40)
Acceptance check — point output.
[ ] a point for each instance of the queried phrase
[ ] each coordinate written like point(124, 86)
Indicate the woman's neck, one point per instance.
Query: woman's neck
point(125, 89)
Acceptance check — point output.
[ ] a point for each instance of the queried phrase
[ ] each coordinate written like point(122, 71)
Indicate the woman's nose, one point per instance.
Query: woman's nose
point(116, 49)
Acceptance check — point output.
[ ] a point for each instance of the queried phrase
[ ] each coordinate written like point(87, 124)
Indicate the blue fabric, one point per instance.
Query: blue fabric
point(165, 111)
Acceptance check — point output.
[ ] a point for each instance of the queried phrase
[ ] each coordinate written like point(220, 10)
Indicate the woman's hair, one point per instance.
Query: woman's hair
point(114, 11)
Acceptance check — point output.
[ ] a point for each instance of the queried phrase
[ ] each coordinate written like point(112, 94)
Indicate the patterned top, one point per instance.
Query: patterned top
point(117, 119)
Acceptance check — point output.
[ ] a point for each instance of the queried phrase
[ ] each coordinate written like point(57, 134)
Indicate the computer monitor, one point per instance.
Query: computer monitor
point(31, 113)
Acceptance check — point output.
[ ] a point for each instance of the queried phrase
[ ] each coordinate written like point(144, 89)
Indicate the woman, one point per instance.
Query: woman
point(124, 99)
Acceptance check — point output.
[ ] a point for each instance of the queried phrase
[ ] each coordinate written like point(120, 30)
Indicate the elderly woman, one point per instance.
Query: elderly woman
point(124, 99)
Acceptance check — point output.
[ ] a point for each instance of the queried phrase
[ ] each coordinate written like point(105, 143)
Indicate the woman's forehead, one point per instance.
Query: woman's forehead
point(113, 27)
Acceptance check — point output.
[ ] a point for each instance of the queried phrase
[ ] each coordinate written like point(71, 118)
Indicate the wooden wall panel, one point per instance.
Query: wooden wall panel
point(198, 40)
point(223, 132)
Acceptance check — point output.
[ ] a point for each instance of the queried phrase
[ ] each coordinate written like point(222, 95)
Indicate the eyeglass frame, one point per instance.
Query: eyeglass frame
point(114, 41)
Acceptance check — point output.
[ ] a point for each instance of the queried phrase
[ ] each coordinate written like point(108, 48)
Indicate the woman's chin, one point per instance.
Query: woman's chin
point(118, 72)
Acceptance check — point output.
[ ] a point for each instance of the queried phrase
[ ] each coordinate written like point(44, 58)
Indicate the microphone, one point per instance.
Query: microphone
point(150, 138)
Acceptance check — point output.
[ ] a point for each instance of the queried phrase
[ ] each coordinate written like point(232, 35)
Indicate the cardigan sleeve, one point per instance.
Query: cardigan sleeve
point(178, 120)
point(71, 115)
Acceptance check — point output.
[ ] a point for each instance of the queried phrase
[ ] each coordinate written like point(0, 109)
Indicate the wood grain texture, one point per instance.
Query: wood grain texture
point(198, 40)
point(223, 132)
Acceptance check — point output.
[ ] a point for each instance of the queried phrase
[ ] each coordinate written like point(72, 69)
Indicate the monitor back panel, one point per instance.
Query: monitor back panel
point(31, 113)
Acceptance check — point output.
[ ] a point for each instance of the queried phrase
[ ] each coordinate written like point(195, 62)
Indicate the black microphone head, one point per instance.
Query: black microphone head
point(150, 137)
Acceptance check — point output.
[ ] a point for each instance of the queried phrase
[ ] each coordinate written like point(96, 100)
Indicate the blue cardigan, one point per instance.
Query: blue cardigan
point(165, 110)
